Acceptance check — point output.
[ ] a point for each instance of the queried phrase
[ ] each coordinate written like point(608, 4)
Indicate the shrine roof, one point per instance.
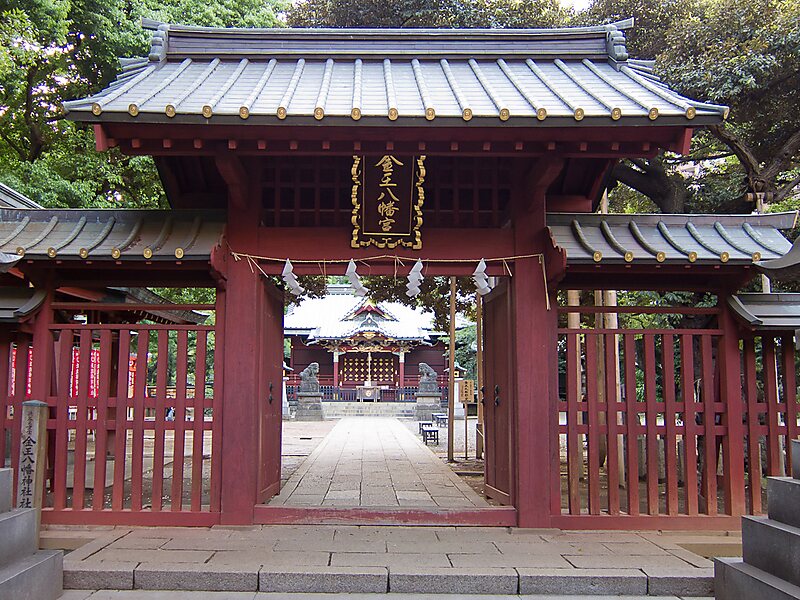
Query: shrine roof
point(662, 238)
point(785, 268)
point(331, 318)
point(16, 303)
point(110, 234)
point(768, 311)
point(578, 76)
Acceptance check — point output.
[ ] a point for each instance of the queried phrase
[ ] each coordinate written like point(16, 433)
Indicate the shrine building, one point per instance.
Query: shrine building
point(287, 152)
point(357, 341)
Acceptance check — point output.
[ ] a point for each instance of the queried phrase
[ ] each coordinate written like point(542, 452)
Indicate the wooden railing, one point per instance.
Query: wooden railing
point(133, 435)
point(671, 421)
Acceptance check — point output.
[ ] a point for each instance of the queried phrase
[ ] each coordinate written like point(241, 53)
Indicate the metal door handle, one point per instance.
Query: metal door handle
point(497, 395)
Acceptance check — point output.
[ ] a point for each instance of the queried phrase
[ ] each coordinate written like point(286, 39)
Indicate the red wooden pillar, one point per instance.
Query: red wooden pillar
point(241, 351)
point(731, 397)
point(42, 366)
point(534, 437)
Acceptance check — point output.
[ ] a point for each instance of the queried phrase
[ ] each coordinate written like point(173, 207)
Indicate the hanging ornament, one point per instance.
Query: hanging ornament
point(480, 279)
point(414, 279)
point(355, 280)
point(290, 280)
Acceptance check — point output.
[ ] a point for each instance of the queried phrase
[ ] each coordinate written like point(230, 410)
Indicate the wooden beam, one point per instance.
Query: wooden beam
point(235, 176)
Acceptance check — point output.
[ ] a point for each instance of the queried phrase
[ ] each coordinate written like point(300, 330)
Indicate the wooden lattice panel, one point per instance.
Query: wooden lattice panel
point(353, 369)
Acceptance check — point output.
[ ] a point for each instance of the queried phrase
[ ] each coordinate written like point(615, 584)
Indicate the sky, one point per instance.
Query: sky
point(576, 4)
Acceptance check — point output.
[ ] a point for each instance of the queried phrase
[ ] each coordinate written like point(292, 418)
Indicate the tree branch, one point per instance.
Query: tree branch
point(739, 148)
point(783, 157)
point(784, 192)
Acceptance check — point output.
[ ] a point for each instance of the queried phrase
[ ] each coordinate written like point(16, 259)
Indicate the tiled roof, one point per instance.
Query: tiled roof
point(574, 76)
point(768, 311)
point(661, 238)
point(326, 318)
point(110, 234)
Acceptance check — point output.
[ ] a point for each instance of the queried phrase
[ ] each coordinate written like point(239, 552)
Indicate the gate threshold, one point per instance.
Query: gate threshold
point(501, 516)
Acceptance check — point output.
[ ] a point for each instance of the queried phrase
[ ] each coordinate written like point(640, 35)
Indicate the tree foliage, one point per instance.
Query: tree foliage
point(55, 50)
point(743, 55)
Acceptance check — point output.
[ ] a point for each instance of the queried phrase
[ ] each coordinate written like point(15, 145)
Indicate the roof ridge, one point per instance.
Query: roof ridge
point(610, 39)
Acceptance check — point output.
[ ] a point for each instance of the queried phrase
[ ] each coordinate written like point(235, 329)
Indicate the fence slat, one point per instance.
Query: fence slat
point(82, 403)
point(121, 418)
point(162, 364)
point(710, 438)
point(651, 435)
point(753, 444)
point(5, 400)
point(593, 436)
point(670, 438)
point(611, 392)
point(217, 407)
point(689, 425)
point(179, 436)
point(63, 402)
point(197, 424)
point(631, 424)
point(137, 444)
point(790, 396)
point(770, 371)
point(574, 451)
point(101, 428)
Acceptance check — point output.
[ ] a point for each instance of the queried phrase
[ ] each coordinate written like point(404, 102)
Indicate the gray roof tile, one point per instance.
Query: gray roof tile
point(735, 239)
point(525, 77)
point(110, 234)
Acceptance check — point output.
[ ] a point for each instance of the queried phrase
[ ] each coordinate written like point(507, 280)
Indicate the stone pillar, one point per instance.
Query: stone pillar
point(32, 457)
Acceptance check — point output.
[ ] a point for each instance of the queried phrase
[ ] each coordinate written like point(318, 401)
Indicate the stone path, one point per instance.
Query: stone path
point(375, 462)
point(141, 595)
point(379, 559)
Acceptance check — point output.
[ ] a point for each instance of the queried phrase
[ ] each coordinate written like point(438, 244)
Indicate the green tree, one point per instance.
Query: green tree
point(55, 50)
point(743, 55)
point(429, 13)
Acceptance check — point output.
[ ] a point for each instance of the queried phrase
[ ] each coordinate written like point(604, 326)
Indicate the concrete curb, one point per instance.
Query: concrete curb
point(407, 580)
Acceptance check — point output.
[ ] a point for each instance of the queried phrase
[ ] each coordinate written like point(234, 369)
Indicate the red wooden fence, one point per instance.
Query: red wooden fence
point(139, 436)
point(671, 422)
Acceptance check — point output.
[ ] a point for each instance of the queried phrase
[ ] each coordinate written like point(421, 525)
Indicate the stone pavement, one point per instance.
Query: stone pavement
point(142, 595)
point(375, 462)
point(404, 560)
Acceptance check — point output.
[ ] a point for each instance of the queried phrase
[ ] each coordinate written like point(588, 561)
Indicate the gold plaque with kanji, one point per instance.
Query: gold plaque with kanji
point(387, 197)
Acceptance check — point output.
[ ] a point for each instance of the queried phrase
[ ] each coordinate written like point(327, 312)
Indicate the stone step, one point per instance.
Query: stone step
point(736, 580)
point(17, 534)
point(6, 490)
point(35, 577)
point(773, 547)
point(784, 500)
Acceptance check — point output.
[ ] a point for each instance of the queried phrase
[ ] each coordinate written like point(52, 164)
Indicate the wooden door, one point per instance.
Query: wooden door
point(498, 396)
point(270, 393)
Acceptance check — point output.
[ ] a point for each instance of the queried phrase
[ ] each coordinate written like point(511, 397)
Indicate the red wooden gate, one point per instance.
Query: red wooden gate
point(670, 427)
point(135, 446)
point(498, 394)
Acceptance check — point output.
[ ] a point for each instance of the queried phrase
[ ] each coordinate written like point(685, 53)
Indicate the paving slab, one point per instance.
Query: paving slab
point(324, 579)
point(453, 581)
point(83, 575)
point(663, 581)
point(205, 577)
point(582, 581)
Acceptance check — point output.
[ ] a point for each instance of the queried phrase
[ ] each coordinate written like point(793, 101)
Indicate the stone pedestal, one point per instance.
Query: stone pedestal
point(427, 405)
point(309, 407)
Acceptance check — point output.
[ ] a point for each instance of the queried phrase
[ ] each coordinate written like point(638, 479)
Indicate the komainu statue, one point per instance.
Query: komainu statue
point(428, 380)
point(309, 379)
